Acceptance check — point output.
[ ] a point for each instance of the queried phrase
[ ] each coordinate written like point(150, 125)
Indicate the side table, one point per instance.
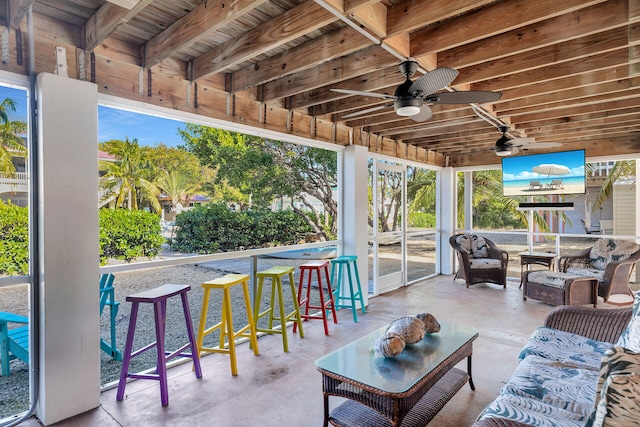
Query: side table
point(527, 258)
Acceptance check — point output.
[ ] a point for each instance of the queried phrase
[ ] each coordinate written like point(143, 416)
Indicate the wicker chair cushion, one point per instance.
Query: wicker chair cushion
point(616, 400)
point(608, 250)
point(484, 263)
point(474, 246)
point(587, 272)
point(464, 241)
point(479, 247)
point(554, 279)
point(630, 338)
point(564, 347)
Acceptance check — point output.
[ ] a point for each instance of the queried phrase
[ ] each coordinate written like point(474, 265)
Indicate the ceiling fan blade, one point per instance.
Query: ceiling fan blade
point(365, 111)
point(537, 145)
point(424, 114)
point(464, 97)
point(521, 142)
point(361, 93)
point(514, 150)
point(433, 81)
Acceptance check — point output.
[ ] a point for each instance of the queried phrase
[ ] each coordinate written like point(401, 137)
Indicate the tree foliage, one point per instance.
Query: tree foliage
point(11, 144)
point(260, 170)
point(130, 176)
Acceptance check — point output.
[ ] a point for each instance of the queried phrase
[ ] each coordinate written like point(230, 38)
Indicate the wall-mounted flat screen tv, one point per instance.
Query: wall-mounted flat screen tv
point(542, 174)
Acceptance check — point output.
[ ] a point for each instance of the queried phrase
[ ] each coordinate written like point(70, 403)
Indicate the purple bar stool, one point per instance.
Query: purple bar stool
point(158, 297)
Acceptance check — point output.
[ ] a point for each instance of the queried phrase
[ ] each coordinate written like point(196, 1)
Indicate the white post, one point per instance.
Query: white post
point(69, 244)
point(447, 217)
point(355, 209)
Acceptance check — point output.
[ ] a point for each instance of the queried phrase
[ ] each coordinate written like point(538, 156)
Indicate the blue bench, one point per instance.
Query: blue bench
point(14, 343)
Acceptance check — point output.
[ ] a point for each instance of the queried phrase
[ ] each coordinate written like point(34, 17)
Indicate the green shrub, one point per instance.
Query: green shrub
point(14, 240)
point(422, 219)
point(214, 227)
point(126, 234)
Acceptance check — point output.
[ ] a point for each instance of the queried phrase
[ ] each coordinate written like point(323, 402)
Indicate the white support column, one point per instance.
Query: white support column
point(468, 200)
point(69, 244)
point(355, 208)
point(447, 216)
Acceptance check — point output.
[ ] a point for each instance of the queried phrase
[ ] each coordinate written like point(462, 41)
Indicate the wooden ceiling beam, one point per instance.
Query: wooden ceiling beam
point(602, 123)
point(410, 15)
point(578, 119)
point(595, 19)
point(570, 111)
point(618, 57)
point(349, 76)
point(579, 80)
point(207, 18)
point(489, 21)
point(543, 100)
point(563, 52)
point(564, 104)
point(342, 42)
point(294, 23)
point(99, 26)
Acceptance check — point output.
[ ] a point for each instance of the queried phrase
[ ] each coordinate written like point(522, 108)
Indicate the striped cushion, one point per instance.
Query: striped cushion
point(630, 338)
point(616, 403)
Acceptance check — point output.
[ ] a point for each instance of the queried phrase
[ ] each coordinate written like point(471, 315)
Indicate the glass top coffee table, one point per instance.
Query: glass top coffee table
point(415, 384)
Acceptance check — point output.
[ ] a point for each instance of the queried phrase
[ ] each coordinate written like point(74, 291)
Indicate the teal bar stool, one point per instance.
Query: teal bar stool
point(276, 274)
point(348, 261)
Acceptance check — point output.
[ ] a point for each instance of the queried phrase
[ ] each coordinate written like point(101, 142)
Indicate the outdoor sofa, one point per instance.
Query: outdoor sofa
point(582, 368)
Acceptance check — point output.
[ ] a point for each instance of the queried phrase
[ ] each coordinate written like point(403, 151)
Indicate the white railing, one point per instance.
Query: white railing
point(14, 182)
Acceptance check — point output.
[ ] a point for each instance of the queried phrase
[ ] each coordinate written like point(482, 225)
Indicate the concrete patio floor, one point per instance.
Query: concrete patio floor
point(284, 389)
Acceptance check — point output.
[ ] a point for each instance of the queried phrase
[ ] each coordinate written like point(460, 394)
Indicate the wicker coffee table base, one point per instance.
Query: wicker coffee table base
point(354, 414)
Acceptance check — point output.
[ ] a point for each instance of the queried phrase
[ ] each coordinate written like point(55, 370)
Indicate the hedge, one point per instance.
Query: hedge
point(14, 240)
point(214, 227)
point(126, 234)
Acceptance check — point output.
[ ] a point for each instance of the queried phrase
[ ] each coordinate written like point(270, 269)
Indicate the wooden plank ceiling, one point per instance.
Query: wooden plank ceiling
point(567, 70)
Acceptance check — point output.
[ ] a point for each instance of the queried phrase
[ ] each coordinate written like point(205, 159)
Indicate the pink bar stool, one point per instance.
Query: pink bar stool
point(324, 306)
point(158, 297)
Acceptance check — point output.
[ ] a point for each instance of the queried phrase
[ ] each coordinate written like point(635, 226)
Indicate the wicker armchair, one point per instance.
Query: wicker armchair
point(614, 279)
point(475, 267)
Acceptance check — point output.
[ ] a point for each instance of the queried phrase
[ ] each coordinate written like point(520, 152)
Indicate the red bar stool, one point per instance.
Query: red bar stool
point(324, 306)
point(158, 297)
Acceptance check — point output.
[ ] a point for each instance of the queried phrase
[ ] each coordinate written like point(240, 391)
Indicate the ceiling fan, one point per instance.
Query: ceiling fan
point(411, 98)
point(506, 146)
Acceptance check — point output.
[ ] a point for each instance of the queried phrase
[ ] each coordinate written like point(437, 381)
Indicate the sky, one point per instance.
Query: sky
point(113, 123)
point(521, 167)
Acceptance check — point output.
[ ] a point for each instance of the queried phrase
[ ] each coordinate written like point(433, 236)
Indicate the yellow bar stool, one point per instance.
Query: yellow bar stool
point(276, 274)
point(227, 335)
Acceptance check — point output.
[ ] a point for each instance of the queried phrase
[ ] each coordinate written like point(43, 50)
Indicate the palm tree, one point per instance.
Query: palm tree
point(11, 144)
point(623, 169)
point(177, 186)
point(127, 176)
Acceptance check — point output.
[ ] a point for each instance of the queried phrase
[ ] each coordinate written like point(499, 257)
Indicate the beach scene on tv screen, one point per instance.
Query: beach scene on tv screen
point(551, 173)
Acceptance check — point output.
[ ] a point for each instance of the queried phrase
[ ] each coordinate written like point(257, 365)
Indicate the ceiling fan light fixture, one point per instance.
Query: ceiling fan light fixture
point(407, 106)
point(503, 151)
point(408, 110)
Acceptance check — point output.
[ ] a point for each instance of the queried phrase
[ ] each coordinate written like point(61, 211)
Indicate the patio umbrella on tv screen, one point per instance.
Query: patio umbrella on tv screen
point(551, 169)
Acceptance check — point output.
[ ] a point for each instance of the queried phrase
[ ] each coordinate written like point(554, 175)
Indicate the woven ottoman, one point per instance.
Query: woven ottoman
point(557, 288)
